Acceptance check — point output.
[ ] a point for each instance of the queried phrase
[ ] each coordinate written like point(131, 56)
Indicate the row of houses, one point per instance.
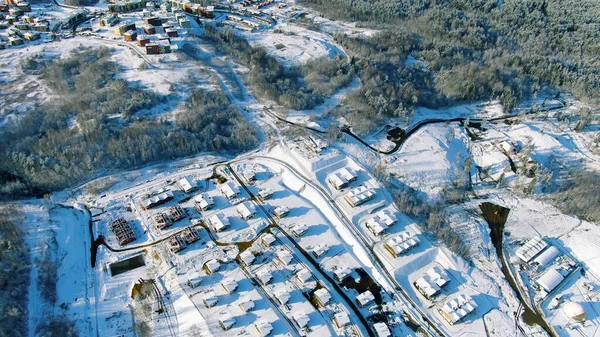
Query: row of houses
point(430, 284)
point(342, 178)
point(123, 231)
point(359, 195)
point(168, 218)
point(179, 242)
point(401, 243)
point(380, 222)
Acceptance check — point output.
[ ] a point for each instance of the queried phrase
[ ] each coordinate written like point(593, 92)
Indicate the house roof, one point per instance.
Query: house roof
point(341, 318)
point(365, 298)
point(301, 318)
point(247, 257)
point(547, 256)
point(323, 295)
point(531, 248)
point(550, 279)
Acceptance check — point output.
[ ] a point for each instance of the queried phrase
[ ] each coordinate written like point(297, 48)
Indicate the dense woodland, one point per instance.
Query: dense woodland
point(293, 87)
point(91, 125)
point(14, 278)
point(473, 49)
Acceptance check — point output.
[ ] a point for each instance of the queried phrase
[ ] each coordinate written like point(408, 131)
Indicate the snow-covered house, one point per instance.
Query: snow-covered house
point(156, 200)
point(401, 243)
point(210, 299)
point(249, 176)
point(359, 195)
point(375, 226)
point(299, 230)
point(264, 276)
point(219, 222)
point(301, 319)
point(282, 295)
point(457, 308)
point(194, 281)
point(322, 297)
point(382, 330)
point(187, 185)
point(284, 257)
point(281, 211)
point(263, 328)
point(430, 284)
point(229, 285)
point(341, 273)
point(246, 305)
point(320, 250)
point(211, 266)
point(268, 239)
point(246, 210)
point(265, 193)
point(226, 321)
point(341, 178)
point(303, 275)
point(341, 319)
point(365, 299)
point(230, 190)
point(204, 201)
point(246, 257)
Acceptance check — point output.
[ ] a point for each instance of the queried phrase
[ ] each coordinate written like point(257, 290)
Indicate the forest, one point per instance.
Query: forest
point(297, 87)
point(471, 50)
point(90, 125)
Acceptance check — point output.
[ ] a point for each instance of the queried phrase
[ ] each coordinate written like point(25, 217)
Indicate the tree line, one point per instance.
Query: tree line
point(90, 125)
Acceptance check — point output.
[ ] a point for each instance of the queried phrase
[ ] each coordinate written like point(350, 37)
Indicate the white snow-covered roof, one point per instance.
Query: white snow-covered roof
point(301, 318)
point(547, 256)
point(204, 200)
point(341, 319)
point(187, 184)
point(281, 211)
point(264, 328)
point(219, 222)
point(268, 239)
point(246, 210)
point(299, 229)
point(382, 330)
point(227, 321)
point(247, 305)
point(320, 250)
point(303, 275)
point(550, 280)
point(386, 218)
point(336, 180)
point(401, 243)
point(323, 295)
point(247, 257)
point(210, 299)
point(347, 174)
point(212, 265)
point(230, 190)
point(282, 295)
point(365, 298)
point(230, 285)
point(264, 276)
point(149, 202)
point(531, 248)
point(376, 226)
point(360, 195)
point(457, 308)
point(432, 282)
point(284, 256)
point(341, 273)
point(265, 193)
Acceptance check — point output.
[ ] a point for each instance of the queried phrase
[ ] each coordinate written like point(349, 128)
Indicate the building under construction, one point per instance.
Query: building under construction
point(123, 231)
